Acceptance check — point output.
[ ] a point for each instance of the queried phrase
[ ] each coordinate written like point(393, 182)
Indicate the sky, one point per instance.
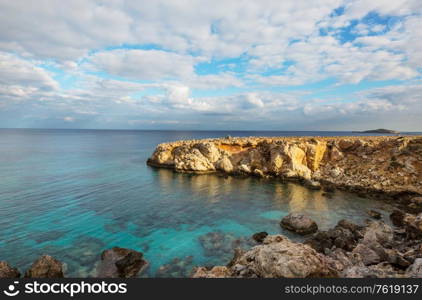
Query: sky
point(211, 65)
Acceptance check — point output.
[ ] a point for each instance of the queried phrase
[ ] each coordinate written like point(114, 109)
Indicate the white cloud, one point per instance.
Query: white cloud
point(68, 119)
point(143, 64)
point(273, 44)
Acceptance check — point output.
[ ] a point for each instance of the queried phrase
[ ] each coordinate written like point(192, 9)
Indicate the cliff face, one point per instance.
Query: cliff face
point(381, 164)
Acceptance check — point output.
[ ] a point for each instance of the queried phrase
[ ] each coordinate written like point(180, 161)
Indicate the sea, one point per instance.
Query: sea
point(73, 193)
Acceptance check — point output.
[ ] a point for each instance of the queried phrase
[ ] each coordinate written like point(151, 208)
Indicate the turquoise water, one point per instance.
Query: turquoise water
point(74, 193)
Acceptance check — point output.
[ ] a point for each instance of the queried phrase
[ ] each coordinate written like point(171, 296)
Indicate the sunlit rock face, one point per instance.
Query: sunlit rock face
point(386, 164)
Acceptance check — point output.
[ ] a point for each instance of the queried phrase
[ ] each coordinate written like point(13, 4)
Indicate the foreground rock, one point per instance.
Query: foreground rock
point(374, 250)
point(45, 267)
point(390, 165)
point(6, 271)
point(299, 223)
point(277, 257)
point(120, 263)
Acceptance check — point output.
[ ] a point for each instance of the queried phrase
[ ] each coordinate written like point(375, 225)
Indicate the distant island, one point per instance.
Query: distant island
point(381, 130)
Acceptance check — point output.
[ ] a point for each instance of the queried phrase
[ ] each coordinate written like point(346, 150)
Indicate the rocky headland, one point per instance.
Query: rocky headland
point(388, 166)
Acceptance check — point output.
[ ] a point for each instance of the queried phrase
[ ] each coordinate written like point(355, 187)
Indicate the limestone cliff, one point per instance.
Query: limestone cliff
point(391, 165)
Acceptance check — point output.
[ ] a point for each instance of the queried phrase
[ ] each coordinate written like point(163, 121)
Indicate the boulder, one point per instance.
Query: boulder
point(278, 257)
point(258, 173)
point(225, 165)
point(382, 270)
point(120, 263)
point(260, 236)
point(411, 223)
point(214, 272)
point(339, 260)
point(45, 267)
point(379, 232)
point(415, 270)
point(6, 271)
point(369, 256)
point(299, 223)
point(312, 184)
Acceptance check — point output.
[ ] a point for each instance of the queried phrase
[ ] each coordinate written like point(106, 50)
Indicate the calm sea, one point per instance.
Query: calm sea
point(73, 193)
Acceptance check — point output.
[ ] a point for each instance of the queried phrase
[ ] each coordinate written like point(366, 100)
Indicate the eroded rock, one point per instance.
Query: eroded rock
point(278, 257)
point(299, 223)
point(391, 165)
point(6, 271)
point(214, 272)
point(120, 263)
point(259, 237)
point(45, 267)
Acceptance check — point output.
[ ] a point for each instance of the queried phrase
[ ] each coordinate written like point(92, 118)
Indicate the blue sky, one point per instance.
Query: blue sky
point(264, 65)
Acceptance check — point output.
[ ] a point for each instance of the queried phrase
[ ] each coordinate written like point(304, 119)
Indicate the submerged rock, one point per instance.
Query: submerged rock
point(379, 232)
point(299, 223)
point(45, 267)
point(6, 271)
point(411, 223)
point(415, 270)
point(220, 244)
point(368, 255)
point(344, 235)
point(120, 263)
point(176, 268)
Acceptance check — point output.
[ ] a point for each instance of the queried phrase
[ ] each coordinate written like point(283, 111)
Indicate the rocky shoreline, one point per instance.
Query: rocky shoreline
point(374, 250)
point(376, 166)
point(114, 263)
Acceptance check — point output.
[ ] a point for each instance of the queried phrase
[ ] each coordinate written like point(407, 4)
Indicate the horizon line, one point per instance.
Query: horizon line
point(198, 130)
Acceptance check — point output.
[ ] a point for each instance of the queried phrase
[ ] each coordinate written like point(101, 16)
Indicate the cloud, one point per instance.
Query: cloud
point(143, 64)
point(240, 64)
point(68, 119)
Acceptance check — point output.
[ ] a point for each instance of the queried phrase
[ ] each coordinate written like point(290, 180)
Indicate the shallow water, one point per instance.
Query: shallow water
point(73, 193)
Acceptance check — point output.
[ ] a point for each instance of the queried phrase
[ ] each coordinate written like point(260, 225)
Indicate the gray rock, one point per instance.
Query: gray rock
point(278, 257)
point(120, 263)
point(45, 267)
point(260, 236)
point(6, 271)
point(299, 223)
point(380, 232)
point(415, 270)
